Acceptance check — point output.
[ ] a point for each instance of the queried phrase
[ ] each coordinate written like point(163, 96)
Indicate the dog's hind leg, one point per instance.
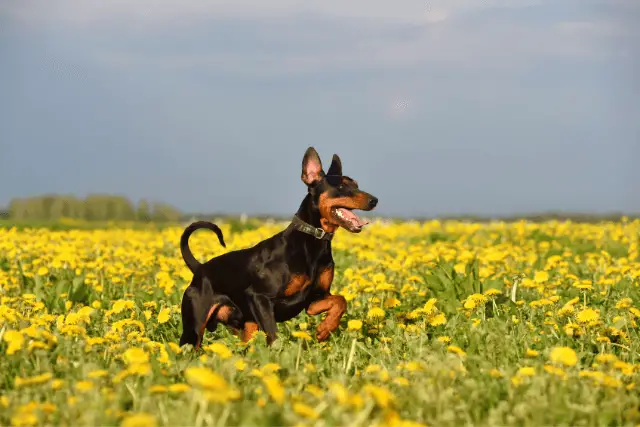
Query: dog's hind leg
point(202, 309)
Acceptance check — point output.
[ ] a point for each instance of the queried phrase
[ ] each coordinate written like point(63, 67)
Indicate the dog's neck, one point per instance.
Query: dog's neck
point(309, 213)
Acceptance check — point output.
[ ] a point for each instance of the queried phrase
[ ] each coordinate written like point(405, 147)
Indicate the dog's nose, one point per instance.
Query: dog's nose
point(373, 202)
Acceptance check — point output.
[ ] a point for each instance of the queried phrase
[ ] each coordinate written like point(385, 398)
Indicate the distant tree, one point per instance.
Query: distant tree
point(124, 210)
point(163, 212)
point(46, 202)
point(17, 209)
point(96, 207)
point(143, 213)
point(34, 208)
point(56, 210)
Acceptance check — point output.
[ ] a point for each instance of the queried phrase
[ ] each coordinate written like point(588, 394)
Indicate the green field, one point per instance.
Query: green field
point(448, 323)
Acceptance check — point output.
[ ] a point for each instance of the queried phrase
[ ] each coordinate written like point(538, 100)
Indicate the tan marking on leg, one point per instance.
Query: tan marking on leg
point(224, 313)
point(223, 316)
point(250, 328)
point(325, 278)
point(335, 306)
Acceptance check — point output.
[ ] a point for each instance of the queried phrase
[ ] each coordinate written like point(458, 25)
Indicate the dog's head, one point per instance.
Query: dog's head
point(334, 195)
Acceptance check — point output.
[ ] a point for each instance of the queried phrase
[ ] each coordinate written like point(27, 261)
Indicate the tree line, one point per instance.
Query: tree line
point(95, 207)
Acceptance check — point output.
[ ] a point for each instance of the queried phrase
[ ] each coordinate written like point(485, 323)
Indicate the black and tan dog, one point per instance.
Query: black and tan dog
point(252, 289)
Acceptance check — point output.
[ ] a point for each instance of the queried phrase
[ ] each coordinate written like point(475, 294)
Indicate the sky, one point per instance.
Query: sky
point(436, 107)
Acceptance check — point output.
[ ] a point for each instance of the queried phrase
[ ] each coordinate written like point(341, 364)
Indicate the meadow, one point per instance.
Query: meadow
point(448, 323)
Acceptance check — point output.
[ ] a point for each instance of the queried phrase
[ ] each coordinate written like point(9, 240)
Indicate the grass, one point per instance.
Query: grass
point(448, 323)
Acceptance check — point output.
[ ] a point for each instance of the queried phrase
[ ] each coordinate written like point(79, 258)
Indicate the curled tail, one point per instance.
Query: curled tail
point(187, 255)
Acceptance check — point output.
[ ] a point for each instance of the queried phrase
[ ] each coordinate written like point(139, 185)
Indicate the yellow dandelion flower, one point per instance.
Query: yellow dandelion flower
point(99, 373)
point(381, 395)
point(139, 420)
point(164, 315)
point(391, 302)
point(339, 392)
point(179, 388)
point(495, 373)
point(219, 349)
point(456, 350)
point(606, 358)
point(240, 365)
point(354, 325)
point(15, 341)
point(315, 391)
point(430, 306)
point(414, 366)
point(135, 355)
point(401, 381)
point(492, 292)
point(541, 277)
point(270, 368)
point(274, 388)
point(155, 389)
point(554, 370)
point(24, 418)
point(624, 303)
point(84, 386)
point(526, 371)
point(372, 369)
point(566, 311)
point(438, 319)
point(376, 313)
point(35, 380)
point(301, 335)
point(583, 284)
point(587, 315)
point(205, 378)
point(532, 353)
point(305, 411)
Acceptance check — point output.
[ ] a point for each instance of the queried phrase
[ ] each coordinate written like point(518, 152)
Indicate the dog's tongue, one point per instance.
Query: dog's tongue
point(353, 218)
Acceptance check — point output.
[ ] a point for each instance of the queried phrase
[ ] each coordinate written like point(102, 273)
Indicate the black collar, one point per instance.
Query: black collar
point(318, 233)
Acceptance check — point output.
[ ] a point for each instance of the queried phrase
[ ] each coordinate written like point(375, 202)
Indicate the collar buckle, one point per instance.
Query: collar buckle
point(319, 233)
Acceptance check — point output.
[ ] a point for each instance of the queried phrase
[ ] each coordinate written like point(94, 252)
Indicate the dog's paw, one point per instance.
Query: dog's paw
point(323, 335)
point(323, 331)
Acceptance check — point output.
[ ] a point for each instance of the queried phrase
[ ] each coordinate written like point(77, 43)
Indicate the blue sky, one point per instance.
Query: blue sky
point(436, 107)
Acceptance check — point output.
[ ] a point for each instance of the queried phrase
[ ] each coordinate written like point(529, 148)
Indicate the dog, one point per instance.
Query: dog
point(255, 288)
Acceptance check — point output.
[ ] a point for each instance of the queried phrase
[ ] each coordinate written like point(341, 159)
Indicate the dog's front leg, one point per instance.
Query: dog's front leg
point(334, 306)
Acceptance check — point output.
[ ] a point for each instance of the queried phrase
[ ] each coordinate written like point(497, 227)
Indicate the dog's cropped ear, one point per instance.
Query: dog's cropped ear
point(336, 166)
point(311, 167)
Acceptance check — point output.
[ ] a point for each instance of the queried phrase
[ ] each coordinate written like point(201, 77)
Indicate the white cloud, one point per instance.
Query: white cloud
point(171, 12)
point(437, 35)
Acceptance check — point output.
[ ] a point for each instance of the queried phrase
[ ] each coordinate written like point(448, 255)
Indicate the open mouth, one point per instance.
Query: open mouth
point(347, 219)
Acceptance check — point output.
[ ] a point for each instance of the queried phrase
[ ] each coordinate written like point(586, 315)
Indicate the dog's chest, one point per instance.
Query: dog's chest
point(298, 283)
